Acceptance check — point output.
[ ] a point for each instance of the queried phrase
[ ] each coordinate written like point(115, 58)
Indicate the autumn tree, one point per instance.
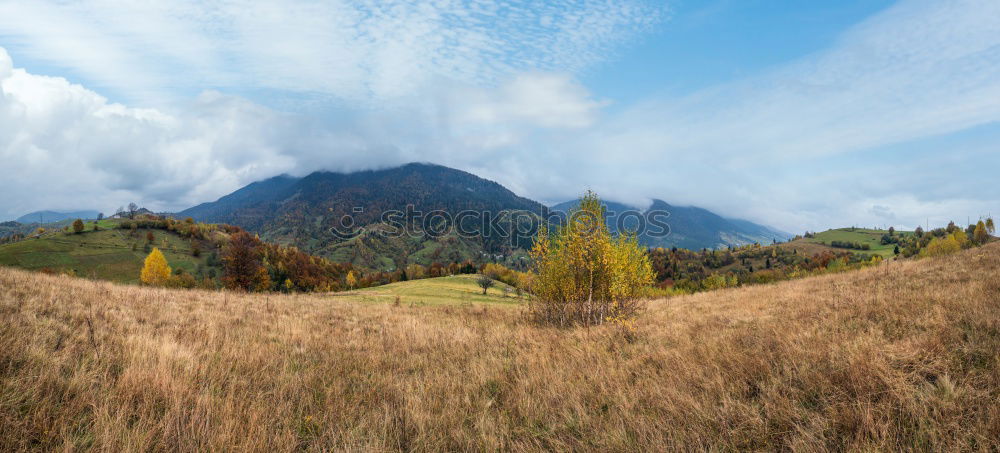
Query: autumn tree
point(78, 226)
point(990, 227)
point(155, 270)
point(415, 271)
point(583, 275)
point(351, 280)
point(980, 234)
point(242, 266)
point(485, 282)
point(945, 245)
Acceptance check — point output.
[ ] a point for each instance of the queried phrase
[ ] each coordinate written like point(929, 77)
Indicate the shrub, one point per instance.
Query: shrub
point(943, 246)
point(181, 280)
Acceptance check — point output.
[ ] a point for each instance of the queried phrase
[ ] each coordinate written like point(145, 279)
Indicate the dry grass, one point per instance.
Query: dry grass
point(900, 357)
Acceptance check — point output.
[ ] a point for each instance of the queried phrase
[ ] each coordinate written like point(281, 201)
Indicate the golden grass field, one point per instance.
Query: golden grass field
point(903, 356)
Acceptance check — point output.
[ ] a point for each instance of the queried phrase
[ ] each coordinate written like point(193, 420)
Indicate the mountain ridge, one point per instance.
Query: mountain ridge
point(47, 216)
point(309, 211)
point(690, 227)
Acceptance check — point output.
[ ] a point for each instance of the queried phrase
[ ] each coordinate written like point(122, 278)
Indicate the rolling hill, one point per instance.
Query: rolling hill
point(898, 357)
point(690, 227)
point(109, 254)
point(820, 242)
point(305, 212)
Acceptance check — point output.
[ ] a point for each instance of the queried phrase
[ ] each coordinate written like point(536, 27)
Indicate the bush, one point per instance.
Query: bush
point(944, 246)
point(850, 245)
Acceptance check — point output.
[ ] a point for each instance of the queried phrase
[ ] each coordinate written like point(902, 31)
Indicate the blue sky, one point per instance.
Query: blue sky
point(798, 114)
point(703, 43)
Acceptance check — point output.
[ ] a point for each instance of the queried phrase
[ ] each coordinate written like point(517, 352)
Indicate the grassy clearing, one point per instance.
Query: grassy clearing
point(899, 357)
point(453, 290)
point(106, 254)
point(821, 241)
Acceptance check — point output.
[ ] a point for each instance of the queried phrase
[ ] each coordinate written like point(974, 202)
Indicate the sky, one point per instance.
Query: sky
point(798, 114)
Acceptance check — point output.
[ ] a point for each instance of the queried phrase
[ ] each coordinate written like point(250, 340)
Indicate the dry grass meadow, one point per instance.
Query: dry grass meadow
point(904, 356)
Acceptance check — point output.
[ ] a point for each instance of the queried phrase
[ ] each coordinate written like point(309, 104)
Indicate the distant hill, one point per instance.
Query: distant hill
point(869, 239)
point(305, 212)
point(53, 216)
point(690, 227)
point(107, 254)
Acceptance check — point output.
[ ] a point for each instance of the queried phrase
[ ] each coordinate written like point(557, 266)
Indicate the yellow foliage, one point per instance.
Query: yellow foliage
point(961, 238)
point(155, 270)
point(508, 276)
point(583, 275)
point(981, 235)
point(416, 272)
point(943, 246)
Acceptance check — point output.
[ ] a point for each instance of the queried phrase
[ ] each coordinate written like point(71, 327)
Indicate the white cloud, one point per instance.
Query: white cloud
point(353, 51)
point(64, 146)
point(6, 65)
point(814, 143)
point(921, 69)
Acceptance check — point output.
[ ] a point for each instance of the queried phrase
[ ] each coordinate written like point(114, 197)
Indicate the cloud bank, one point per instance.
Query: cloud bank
point(895, 123)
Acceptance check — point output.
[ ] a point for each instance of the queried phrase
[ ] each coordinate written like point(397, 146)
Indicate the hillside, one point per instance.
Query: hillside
point(108, 254)
point(305, 211)
point(897, 357)
point(820, 242)
point(690, 227)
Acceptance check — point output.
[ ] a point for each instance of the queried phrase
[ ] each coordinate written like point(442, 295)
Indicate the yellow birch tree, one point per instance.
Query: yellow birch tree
point(155, 271)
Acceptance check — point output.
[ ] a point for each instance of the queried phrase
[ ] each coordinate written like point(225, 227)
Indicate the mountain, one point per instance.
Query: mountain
point(308, 212)
point(53, 216)
point(690, 227)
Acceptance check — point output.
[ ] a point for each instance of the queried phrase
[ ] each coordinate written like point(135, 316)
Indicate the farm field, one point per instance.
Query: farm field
point(899, 356)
